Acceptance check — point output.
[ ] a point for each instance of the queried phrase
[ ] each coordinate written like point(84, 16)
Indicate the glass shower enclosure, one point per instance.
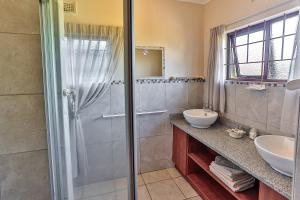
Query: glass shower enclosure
point(89, 90)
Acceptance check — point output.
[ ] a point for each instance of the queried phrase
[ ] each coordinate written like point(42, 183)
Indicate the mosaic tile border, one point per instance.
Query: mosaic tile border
point(270, 84)
point(160, 80)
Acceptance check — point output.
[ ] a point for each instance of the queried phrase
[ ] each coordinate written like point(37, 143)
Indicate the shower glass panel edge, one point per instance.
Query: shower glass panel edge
point(54, 100)
point(129, 56)
point(51, 94)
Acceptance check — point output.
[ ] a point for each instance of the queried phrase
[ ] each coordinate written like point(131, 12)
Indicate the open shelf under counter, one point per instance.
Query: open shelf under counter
point(203, 160)
point(207, 188)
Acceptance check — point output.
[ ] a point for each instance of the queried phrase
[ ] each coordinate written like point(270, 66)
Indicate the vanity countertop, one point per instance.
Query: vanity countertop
point(241, 152)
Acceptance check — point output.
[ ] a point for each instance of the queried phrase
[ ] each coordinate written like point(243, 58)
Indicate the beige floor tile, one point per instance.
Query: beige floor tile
point(140, 180)
point(155, 176)
point(185, 187)
point(174, 173)
point(165, 190)
point(143, 193)
point(195, 198)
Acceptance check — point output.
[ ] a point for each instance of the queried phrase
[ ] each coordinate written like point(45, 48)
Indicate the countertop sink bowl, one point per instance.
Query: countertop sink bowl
point(278, 152)
point(200, 118)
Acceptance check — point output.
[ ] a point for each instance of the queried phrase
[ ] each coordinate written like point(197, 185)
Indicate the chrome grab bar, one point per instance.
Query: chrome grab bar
point(141, 113)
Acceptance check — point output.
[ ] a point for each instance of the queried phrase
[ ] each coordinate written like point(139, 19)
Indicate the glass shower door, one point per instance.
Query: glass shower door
point(95, 90)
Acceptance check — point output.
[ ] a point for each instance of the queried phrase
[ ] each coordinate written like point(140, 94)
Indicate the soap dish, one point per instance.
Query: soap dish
point(236, 133)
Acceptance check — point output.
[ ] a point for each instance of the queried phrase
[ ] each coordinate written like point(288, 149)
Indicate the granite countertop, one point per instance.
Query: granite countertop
point(241, 152)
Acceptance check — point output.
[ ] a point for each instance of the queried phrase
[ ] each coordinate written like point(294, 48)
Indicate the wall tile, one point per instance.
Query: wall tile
point(97, 130)
point(156, 153)
point(251, 123)
point(153, 96)
point(99, 107)
point(100, 160)
point(195, 97)
point(22, 123)
point(177, 95)
point(24, 176)
point(137, 97)
point(21, 70)
point(16, 17)
point(156, 124)
point(117, 99)
point(275, 103)
point(251, 105)
point(120, 159)
point(118, 128)
point(230, 98)
point(258, 109)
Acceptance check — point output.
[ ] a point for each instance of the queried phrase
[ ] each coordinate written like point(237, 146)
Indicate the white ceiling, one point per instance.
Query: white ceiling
point(196, 1)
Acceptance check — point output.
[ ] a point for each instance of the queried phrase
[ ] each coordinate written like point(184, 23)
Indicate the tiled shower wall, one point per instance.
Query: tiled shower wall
point(258, 109)
point(154, 130)
point(23, 153)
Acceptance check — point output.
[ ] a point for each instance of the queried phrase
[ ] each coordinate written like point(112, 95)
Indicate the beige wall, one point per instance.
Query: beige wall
point(23, 146)
point(177, 26)
point(218, 12)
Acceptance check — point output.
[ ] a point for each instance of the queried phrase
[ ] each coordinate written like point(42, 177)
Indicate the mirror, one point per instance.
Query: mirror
point(149, 62)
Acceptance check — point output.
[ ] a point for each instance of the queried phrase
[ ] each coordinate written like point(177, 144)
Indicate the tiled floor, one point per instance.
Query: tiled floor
point(165, 184)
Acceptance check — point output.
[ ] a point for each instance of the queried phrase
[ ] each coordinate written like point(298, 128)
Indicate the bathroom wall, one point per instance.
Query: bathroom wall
point(154, 130)
point(23, 146)
point(177, 26)
point(258, 109)
point(238, 13)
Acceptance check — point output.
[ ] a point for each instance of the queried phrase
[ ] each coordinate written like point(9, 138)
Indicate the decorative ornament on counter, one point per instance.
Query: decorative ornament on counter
point(253, 133)
point(236, 133)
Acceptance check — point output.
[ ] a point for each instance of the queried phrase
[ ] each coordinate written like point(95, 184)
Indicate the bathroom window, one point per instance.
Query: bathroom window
point(92, 45)
point(263, 51)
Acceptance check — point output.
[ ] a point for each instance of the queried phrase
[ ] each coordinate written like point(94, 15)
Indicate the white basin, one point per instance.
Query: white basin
point(200, 118)
point(278, 151)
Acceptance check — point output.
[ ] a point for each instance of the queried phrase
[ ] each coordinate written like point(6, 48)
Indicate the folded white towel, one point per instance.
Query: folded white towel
point(244, 177)
point(234, 174)
point(219, 160)
point(236, 186)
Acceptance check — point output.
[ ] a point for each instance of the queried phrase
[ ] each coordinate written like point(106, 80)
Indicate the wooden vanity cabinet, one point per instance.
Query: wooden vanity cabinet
point(192, 160)
point(267, 193)
point(180, 150)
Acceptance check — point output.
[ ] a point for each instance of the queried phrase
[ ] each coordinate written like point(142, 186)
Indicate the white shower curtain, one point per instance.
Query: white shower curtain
point(290, 114)
point(215, 92)
point(92, 55)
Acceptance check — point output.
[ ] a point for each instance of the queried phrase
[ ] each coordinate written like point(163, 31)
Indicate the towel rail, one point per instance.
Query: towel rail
point(141, 113)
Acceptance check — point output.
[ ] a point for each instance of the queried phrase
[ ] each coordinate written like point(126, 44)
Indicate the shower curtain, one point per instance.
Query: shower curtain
point(290, 114)
point(215, 92)
point(92, 55)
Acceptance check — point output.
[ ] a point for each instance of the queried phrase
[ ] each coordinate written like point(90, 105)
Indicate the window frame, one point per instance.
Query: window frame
point(266, 28)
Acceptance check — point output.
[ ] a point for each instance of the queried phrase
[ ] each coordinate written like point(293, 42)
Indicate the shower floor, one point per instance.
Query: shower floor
point(165, 184)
